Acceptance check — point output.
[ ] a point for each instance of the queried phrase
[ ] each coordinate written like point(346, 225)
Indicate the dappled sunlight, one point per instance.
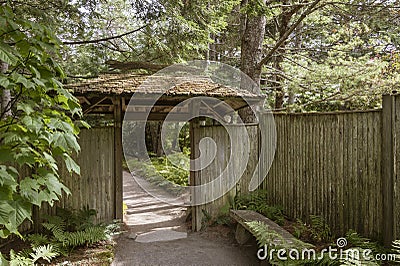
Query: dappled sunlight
point(145, 213)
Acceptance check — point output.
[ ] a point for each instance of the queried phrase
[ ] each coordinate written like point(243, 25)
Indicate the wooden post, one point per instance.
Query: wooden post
point(388, 168)
point(118, 212)
point(36, 219)
point(194, 175)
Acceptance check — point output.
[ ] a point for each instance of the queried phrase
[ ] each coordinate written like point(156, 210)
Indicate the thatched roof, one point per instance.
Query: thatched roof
point(99, 95)
point(122, 84)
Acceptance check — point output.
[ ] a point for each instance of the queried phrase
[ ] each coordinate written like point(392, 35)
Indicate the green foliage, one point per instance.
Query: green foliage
point(29, 258)
point(396, 250)
point(335, 58)
point(320, 230)
point(354, 239)
point(183, 29)
point(162, 172)
point(70, 229)
point(300, 229)
point(223, 217)
point(70, 240)
point(263, 234)
point(40, 128)
point(267, 237)
point(176, 174)
point(257, 201)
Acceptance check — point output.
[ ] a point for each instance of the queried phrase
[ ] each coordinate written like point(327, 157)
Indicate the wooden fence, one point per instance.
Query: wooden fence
point(224, 145)
point(329, 165)
point(95, 187)
point(343, 166)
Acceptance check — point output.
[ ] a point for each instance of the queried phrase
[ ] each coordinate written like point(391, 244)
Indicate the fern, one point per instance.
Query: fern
point(87, 236)
point(266, 236)
point(38, 239)
point(57, 229)
point(257, 201)
point(71, 229)
point(262, 233)
point(43, 252)
point(320, 230)
point(300, 228)
point(355, 240)
point(21, 258)
point(396, 250)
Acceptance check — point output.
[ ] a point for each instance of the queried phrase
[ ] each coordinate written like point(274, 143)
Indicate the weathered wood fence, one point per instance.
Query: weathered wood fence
point(329, 165)
point(95, 187)
point(343, 166)
point(219, 166)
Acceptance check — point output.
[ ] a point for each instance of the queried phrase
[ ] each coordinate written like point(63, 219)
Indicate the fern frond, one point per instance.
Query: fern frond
point(3, 260)
point(60, 249)
point(56, 229)
point(356, 240)
point(43, 252)
point(320, 230)
point(38, 240)
point(396, 250)
point(262, 233)
point(18, 260)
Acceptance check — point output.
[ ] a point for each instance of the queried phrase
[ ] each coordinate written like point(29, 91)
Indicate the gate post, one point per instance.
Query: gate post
point(195, 176)
point(388, 168)
point(118, 209)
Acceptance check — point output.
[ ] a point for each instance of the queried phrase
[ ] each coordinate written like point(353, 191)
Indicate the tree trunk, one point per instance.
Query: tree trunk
point(253, 30)
point(278, 79)
point(153, 132)
point(6, 94)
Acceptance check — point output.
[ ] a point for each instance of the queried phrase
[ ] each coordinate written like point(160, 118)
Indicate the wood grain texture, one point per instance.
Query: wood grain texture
point(327, 165)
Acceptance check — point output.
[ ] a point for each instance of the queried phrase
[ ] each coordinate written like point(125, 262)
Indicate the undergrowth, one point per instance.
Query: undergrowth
point(61, 235)
point(350, 254)
point(316, 231)
point(162, 172)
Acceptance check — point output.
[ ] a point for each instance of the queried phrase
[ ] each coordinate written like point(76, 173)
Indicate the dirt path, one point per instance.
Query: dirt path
point(153, 220)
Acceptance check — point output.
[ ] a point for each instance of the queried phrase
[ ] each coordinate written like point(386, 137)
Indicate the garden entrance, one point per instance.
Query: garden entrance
point(109, 99)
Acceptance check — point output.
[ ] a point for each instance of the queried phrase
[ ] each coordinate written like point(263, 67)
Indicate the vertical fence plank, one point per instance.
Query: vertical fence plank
point(388, 167)
point(328, 164)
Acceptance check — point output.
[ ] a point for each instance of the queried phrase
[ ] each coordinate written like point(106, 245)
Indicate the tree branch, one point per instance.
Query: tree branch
point(288, 32)
point(105, 39)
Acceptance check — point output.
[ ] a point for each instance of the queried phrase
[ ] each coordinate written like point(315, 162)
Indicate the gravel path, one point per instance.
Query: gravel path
point(148, 216)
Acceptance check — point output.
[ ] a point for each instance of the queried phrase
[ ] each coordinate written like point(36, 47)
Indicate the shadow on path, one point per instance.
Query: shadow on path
point(157, 235)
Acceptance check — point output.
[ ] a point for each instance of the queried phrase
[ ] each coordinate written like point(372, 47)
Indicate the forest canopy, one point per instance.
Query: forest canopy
point(307, 55)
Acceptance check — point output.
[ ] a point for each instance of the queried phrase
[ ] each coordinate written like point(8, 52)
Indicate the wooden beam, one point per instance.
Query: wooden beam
point(118, 175)
point(94, 105)
point(388, 168)
point(142, 116)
